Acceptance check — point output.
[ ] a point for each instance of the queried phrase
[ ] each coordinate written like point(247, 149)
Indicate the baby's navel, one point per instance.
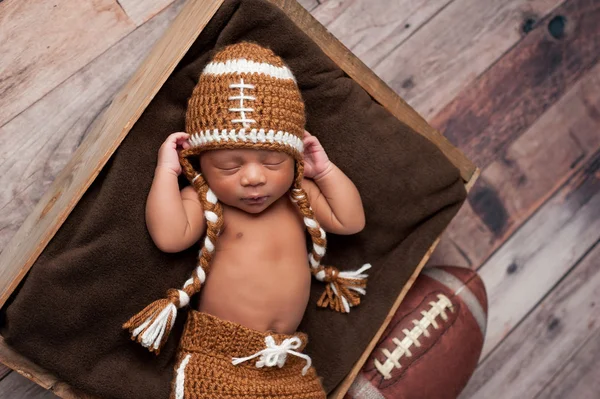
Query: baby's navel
point(239, 235)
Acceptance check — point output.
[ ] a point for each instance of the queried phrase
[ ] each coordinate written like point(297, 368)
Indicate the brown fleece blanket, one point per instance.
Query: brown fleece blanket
point(102, 266)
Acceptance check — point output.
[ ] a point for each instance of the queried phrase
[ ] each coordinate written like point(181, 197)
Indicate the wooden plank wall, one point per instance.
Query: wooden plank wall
point(515, 84)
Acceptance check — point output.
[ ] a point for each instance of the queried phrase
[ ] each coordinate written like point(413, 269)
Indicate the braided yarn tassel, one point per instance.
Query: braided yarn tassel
point(151, 326)
point(343, 288)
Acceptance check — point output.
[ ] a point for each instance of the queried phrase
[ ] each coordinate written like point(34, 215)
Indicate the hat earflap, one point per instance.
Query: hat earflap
point(343, 288)
point(151, 326)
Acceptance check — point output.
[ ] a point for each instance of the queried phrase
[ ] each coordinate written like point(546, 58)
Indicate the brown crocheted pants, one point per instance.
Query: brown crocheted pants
point(204, 368)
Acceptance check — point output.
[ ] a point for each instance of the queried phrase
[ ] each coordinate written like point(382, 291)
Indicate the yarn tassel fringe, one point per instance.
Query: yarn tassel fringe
point(151, 326)
point(343, 289)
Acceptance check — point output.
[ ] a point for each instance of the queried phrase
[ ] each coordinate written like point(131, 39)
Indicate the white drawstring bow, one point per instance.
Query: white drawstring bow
point(275, 355)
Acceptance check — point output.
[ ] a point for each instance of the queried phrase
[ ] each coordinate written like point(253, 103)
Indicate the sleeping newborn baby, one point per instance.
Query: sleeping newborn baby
point(258, 181)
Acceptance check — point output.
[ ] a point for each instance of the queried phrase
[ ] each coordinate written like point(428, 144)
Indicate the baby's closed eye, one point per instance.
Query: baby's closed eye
point(229, 167)
point(274, 163)
point(233, 167)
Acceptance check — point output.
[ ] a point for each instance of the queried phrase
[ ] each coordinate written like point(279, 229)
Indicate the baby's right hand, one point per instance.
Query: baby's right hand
point(168, 156)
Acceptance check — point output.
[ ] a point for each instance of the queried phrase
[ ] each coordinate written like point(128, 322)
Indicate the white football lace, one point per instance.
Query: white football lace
point(412, 337)
point(242, 109)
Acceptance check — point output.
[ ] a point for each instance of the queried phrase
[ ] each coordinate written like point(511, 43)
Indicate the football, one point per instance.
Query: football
point(432, 346)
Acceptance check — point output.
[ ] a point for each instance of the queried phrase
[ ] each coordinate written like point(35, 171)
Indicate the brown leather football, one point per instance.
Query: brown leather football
point(433, 343)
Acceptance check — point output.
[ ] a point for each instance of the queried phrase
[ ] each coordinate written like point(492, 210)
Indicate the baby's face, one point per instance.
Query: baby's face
point(248, 179)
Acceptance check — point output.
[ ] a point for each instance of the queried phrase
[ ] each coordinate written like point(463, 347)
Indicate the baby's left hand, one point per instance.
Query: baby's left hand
point(316, 161)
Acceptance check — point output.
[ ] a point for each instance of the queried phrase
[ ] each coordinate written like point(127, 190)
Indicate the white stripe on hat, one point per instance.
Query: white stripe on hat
point(242, 65)
point(208, 136)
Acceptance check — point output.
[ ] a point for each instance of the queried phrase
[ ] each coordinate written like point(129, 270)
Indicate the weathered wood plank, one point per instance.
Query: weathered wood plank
point(448, 253)
point(455, 47)
point(310, 5)
point(536, 257)
point(372, 29)
point(60, 37)
point(17, 362)
point(17, 386)
point(57, 124)
point(105, 136)
point(4, 371)
point(39, 382)
point(528, 171)
point(382, 93)
point(466, 224)
point(536, 72)
point(540, 346)
point(580, 378)
point(140, 11)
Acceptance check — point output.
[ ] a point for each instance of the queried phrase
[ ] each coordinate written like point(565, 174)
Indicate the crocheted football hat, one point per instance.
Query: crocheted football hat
point(246, 97)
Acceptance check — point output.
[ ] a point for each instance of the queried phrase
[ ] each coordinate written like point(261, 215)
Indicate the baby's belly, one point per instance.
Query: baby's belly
point(262, 287)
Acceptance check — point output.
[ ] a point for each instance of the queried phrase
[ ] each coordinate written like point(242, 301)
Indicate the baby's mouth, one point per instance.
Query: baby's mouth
point(256, 200)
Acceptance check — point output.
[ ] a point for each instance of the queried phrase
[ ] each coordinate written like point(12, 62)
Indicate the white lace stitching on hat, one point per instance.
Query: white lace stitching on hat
point(242, 109)
point(412, 337)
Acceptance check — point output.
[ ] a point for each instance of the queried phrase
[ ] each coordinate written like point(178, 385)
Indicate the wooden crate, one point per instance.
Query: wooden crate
point(111, 128)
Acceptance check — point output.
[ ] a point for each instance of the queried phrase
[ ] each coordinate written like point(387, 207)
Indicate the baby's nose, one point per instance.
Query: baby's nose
point(253, 176)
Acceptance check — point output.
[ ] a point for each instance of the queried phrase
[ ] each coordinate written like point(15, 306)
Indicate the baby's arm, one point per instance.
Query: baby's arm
point(174, 219)
point(335, 200)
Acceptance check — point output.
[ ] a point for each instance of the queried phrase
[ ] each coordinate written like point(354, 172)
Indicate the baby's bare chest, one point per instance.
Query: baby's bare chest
point(277, 231)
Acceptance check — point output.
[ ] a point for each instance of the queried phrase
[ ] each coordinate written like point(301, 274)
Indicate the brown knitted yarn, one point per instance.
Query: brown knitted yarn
point(204, 368)
point(250, 51)
point(229, 84)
